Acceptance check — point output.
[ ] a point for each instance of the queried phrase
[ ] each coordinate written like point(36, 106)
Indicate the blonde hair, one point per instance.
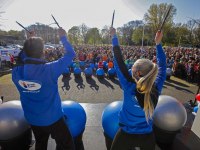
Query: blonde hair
point(149, 71)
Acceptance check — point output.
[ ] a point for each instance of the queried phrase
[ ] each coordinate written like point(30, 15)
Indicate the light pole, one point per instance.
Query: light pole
point(179, 41)
point(143, 32)
point(38, 29)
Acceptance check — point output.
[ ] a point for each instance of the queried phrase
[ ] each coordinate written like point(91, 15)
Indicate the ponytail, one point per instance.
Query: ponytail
point(144, 85)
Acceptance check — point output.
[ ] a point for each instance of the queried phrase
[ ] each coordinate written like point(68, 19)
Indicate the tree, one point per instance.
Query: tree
point(83, 33)
point(74, 35)
point(156, 14)
point(137, 36)
point(119, 35)
point(191, 28)
point(181, 32)
point(105, 35)
point(94, 36)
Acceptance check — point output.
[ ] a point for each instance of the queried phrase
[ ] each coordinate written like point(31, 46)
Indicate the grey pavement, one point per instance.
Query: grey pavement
point(104, 90)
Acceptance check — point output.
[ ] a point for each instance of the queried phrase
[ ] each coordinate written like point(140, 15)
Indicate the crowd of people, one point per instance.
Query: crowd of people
point(9, 60)
point(184, 62)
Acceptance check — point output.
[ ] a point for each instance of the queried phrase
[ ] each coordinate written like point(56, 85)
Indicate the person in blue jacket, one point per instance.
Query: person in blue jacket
point(141, 92)
point(36, 81)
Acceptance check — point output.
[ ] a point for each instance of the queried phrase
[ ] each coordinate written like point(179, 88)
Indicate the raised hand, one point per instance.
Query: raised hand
point(158, 37)
point(61, 32)
point(32, 34)
point(112, 32)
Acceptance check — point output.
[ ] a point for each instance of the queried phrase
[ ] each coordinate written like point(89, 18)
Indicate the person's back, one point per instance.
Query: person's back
point(87, 63)
point(110, 64)
point(104, 57)
point(82, 58)
point(140, 97)
point(36, 82)
point(100, 64)
point(191, 70)
point(126, 61)
point(77, 63)
point(131, 62)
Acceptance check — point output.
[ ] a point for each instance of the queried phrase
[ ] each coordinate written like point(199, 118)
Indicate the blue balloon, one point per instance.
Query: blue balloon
point(106, 66)
point(88, 71)
point(105, 63)
point(66, 71)
point(100, 71)
point(127, 65)
point(195, 109)
point(77, 71)
point(76, 116)
point(96, 65)
point(130, 72)
point(110, 118)
point(111, 71)
point(72, 63)
point(82, 63)
point(92, 66)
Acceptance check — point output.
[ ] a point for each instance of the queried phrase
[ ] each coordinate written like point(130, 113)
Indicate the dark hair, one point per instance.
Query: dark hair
point(33, 47)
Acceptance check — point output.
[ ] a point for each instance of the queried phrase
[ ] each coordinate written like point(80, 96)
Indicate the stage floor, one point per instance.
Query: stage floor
point(93, 137)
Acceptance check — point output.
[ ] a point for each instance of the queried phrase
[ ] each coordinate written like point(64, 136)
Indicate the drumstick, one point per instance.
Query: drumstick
point(113, 18)
point(165, 18)
point(23, 27)
point(55, 21)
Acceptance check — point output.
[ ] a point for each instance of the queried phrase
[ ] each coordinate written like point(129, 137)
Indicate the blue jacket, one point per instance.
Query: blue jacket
point(132, 117)
point(36, 82)
point(87, 63)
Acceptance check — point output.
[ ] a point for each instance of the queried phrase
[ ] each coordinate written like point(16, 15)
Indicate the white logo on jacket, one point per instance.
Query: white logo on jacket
point(30, 85)
point(134, 98)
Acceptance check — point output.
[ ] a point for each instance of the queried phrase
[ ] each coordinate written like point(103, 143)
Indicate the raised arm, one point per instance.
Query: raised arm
point(161, 62)
point(58, 67)
point(122, 72)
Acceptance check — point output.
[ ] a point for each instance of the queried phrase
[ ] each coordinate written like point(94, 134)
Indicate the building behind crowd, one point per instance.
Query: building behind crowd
point(9, 39)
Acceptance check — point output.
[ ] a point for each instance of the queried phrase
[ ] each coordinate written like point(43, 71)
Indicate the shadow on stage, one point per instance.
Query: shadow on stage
point(116, 82)
point(79, 81)
point(92, 84)
point(106, 83)
point(66, 85)
point(177, 87)
point(177, 83)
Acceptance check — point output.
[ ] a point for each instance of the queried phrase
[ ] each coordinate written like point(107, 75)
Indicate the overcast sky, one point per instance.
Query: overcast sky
point(94, 13)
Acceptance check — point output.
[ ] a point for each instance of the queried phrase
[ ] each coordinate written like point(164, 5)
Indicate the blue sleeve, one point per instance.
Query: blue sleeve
point(126, 81)
point(23, 56)
point(161, 62)
point(20, 60)
point(59, 66)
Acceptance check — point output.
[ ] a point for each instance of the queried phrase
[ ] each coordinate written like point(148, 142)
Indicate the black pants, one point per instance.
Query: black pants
point(189, 78)
point(11, 64)
point(59, 130)
point(125, 141)
point(8, 63)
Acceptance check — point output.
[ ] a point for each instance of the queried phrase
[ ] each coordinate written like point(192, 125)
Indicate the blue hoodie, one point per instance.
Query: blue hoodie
point(132, 117)
point(36, 82)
